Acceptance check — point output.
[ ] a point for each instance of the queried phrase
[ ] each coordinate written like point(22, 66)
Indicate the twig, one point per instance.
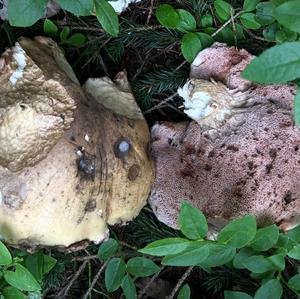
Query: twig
point(227, 23)
point(94, 280)
point(150, 12)
point(128, 245)
point(84, 258)
point(97, 29)
point(64, 292)
point(181, 281)
point(139, 70)
point(233, 26)
point(141, 294)
point(255, 36)
point(161, 103)
point(181, 65)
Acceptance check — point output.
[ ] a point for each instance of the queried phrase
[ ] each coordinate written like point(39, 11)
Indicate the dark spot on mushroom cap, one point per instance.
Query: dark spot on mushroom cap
point(288, 198)
point(233, 148)
point(90, 205)
point(133, 172)
point(87, 165)
point(121, 148)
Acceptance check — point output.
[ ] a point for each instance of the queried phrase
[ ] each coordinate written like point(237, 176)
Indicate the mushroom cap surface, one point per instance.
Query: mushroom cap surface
point(248, 163)
point(94, 170)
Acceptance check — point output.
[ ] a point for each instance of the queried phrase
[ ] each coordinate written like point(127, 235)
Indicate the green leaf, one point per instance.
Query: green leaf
point(218, 255)
point(209, 30)
point(35, 264)
point(297, 116)
point(278, 2)
point(107, 17)
point(272, 289)
point(50, 28)
point(64, 34)
point(185, 292)
point(236, 295)
point(248, 19)
point(13, 293)
point(192, 222)
point(239, 232)
point(166, 246)
point(265, 13)
point(167, 16)
point(258, 264)
point(192, 256)
point(284, 244)
point(24, 13)
point(77, 39)
point(141, 267)
point(288, 15)
point(269, 32)
point(265, 238)
point(278, 261)
point(250, 5)
point(239, 32)
point(223, 9)
point(278, 64)
point(129, 288)
point(49, 263)
point(21, 279)
point(205, 39)
point(114, 274)
point(294, 283)
point(190, 46)
point(295, 252)
point(242, 256)
point(225, 35)
point(294, 233)
point(187, 21)
point(263, 276)
point(5, 256)
point(107, 249)
point(285, 35)
point(206, 21)
point(77, 7)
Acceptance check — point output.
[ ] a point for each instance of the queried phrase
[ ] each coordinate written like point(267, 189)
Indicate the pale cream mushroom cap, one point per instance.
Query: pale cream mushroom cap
point(95, 170)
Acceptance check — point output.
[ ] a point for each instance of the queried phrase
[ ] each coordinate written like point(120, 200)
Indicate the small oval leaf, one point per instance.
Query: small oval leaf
point(167, 16)
point(114, 274)
point(107, 17)
point(107, 249)
point(185, 292)
point(192, 256)
point(239, 232)
point(166, 246)
point(141, 267)
point(192, 222)
point(21, 279)
point(5, 256)
point(190, 46)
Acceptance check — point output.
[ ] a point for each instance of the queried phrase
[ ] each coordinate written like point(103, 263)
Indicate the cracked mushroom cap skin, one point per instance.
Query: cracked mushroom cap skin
point(89, 175)
point(250, 166)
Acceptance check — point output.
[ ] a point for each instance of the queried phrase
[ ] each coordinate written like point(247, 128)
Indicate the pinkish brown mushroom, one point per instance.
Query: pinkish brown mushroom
point(240, 156)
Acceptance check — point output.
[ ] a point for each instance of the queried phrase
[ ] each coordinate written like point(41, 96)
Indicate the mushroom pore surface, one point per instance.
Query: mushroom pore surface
point(240, 156)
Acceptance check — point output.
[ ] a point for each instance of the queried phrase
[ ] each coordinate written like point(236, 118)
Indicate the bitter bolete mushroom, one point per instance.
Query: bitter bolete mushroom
point(240, 155)
point(71, 162)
